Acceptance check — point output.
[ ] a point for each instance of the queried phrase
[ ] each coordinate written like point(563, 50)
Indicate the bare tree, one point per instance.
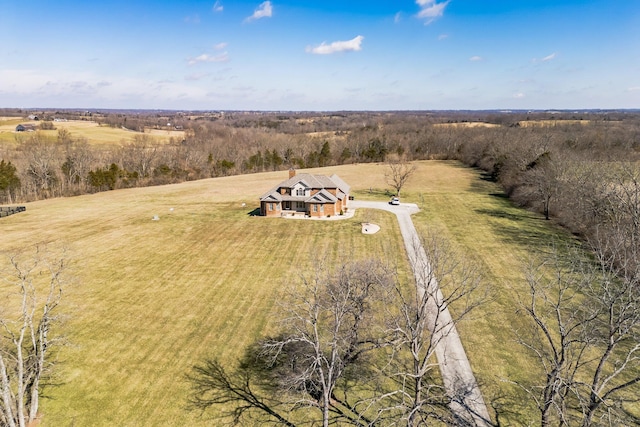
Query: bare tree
point(329, 327)
point(42, 159)
point(541, 182)
point(614, 379)
point(584, 331)
point(25, 324)
point(79, 159)
point(398, 173)
point(139, 156)
point(358, 347)
point(557, 333)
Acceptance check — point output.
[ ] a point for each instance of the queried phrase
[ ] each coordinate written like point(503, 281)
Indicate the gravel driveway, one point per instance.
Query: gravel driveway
point(456, 371)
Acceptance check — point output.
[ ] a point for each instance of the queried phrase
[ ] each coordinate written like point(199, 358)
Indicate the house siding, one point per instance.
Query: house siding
point(270, 208)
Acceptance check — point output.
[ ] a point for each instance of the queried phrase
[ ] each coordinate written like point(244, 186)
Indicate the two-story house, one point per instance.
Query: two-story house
point(306, 194)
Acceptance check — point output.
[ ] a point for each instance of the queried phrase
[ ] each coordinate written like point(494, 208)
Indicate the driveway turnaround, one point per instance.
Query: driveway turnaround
point(459, 381)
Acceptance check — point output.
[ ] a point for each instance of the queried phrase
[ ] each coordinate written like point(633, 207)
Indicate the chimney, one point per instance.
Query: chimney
point(292, 173)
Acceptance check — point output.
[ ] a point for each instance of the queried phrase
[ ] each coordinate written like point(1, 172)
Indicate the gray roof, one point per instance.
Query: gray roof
point(310, 181)
point(342, 186)
point(322, 196)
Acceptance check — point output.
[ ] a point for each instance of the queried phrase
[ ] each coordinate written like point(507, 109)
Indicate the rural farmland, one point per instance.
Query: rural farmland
point(151, 298)
point(95, 133)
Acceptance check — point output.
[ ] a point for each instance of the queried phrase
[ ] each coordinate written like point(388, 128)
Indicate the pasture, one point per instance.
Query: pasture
point(152, 298)
point(93, 132)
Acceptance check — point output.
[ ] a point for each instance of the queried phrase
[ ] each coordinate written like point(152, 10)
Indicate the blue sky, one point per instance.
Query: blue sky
point(320, 55)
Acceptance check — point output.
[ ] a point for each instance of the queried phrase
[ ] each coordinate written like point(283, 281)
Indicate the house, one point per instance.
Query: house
point(25, 128)
point(306, 194)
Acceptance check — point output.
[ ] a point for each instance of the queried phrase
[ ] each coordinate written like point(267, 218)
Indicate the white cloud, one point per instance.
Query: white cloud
point(265, 10)
point(633, 89)
point(195, 19)
point(518, 95)
point(220, 46)
point(475, 58)
point(68, 89)
point(443, 36)
point(546, 58)
point(397, 18)
point(354, 44)
point(430, 10)
point(217, 6)
point(205, 57)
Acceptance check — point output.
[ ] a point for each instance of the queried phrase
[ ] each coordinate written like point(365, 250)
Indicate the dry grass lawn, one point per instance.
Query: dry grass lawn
point(153, 298)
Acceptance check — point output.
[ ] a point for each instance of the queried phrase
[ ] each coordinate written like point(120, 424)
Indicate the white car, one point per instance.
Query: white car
point(394, 201)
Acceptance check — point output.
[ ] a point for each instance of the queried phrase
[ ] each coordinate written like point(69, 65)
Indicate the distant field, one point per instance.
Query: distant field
point(467, 125)
point(94, 133)
point(155, 297)
point(329, 135)
point(551, 123)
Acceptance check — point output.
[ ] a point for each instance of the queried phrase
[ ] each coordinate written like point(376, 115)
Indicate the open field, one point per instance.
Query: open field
point(94, 133)
point(328, 135)
point(154, 297)
point(467, 125)
point(552, 123)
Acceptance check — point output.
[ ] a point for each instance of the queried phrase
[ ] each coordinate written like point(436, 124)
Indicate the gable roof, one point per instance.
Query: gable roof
point(272, 196)
point(25, 127)
point(342, 186)
point(308, 180)
point(322, 196)
point(311, 181)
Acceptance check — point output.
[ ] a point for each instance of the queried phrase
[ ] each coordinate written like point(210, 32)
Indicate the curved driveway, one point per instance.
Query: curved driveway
point(457, 375)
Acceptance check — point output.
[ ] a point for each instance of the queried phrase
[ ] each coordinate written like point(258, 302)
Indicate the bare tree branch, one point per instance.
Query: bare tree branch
point(398, 173)
point(25, 342)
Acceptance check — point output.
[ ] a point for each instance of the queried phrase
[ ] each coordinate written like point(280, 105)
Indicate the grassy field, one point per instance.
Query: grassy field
point(552, 123)
point(154, 297)
point(95, 133)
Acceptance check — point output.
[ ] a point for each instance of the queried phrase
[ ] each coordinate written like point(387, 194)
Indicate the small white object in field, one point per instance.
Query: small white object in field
point(170, 209)
point(155, 218)
point(368, 228)
point(244, 204)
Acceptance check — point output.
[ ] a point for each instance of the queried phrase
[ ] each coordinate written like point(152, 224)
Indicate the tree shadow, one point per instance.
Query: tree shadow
point(254, 212)
point(486, 176)
point(523, 230)
point(499, 213)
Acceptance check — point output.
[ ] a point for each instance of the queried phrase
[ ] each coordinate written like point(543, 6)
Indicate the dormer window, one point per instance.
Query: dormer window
point(300, 192)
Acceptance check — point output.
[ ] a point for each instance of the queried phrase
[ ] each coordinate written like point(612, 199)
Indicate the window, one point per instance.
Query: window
point(300, 192)
point(321, 208)
point(315, 208)
point(270, 206)
point(299, 205)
